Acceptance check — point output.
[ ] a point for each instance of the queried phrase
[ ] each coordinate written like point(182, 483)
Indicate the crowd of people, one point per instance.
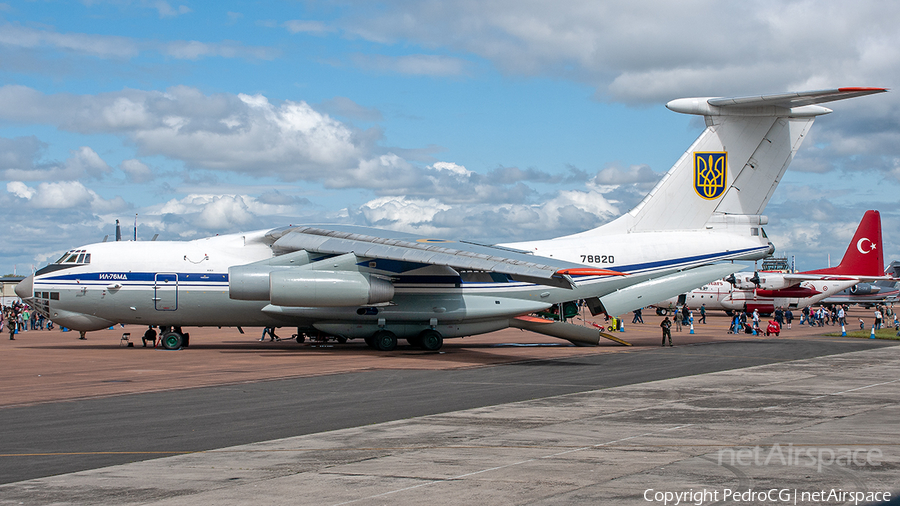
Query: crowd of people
point(19, 317)
point(884, 317)
point(748, 322)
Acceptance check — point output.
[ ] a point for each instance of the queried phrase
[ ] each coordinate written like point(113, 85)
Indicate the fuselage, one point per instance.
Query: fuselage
point(722, 295)
point(186, 283)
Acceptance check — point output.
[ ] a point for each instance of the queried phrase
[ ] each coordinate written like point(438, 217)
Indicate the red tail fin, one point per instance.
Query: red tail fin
point(864, 255)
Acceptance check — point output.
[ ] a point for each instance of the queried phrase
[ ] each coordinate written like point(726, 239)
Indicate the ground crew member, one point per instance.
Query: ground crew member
point(666, 327)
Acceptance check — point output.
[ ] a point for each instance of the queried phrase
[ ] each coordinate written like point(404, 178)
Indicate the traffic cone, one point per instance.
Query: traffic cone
point(872, 335)
point(692, 327)
point(621, 325)
point(843, 331)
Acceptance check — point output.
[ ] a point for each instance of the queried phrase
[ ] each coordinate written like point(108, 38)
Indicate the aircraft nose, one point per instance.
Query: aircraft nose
point(25, 288)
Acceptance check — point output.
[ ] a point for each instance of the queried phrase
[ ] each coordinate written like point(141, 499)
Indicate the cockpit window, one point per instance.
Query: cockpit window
point(78, 257)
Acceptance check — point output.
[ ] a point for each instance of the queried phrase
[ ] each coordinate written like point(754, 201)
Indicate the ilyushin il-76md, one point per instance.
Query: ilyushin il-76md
point(363, 283)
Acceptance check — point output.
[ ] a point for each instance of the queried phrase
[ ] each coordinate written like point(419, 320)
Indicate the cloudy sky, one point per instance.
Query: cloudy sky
point(489, 120)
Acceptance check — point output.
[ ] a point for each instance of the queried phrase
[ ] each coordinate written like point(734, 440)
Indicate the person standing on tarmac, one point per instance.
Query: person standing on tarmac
point(666, 327)
point(702, 314)
point(638, 318)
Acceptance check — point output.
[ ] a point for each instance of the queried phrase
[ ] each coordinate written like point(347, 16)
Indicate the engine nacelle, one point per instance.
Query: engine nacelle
point(767, 281)
point(864, 289)
point(321, 288)
point(251, 281)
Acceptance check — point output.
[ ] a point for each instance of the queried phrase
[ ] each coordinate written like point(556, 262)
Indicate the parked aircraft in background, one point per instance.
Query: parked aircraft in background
point(379, 285)
point(765, 291)
point(870, 294)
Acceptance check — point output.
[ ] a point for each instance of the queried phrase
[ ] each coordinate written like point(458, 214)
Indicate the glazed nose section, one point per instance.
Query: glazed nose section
point(25, 288)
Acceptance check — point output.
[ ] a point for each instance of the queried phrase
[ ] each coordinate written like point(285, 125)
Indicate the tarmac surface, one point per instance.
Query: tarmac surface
point(508, 417)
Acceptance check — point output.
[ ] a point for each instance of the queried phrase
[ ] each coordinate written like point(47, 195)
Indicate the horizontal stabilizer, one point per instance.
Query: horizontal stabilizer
point(794, 104)
point(795, 99)
point(654, 290)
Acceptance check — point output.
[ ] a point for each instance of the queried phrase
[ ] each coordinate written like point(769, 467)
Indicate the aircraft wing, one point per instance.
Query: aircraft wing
point(461, 255)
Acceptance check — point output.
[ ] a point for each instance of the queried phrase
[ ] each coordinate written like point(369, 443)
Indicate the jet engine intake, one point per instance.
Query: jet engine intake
point(308, 288)
point(251, 281)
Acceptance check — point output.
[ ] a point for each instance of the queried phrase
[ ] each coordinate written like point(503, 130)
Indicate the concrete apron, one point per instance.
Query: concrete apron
point(714, 433)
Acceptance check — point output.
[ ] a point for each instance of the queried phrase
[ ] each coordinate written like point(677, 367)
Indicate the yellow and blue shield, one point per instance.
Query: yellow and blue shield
point(709, 174)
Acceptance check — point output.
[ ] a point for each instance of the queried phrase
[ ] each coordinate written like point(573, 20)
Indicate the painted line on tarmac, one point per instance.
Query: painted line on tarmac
point(505, 466)
point(61, 454)
point(857, 388)
point(567, 448)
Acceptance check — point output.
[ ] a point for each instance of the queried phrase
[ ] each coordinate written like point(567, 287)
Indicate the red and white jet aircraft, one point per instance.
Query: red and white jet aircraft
point(766, 290)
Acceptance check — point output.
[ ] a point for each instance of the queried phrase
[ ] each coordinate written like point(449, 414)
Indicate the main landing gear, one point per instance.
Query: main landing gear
point(385, 340)
point(171, 338)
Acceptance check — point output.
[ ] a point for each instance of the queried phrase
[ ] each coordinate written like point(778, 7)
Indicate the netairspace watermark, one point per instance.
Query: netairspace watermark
point(817, 457)
point(770, 496)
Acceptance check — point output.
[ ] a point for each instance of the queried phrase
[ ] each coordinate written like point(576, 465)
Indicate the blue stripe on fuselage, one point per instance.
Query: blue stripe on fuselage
point(138, 276)
point(671, 263)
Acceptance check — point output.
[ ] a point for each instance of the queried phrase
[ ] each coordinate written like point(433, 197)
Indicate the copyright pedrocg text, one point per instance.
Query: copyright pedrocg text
point(769, 496)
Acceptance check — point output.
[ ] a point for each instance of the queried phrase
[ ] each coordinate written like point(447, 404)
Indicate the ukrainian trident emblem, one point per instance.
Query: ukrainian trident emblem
point(709, 174)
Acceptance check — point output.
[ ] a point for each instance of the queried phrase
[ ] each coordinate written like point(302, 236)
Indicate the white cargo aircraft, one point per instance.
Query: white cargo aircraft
point(379, 285)
point(766, 290)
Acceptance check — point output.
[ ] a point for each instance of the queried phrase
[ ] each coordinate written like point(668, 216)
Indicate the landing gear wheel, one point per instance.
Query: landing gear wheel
point(661, 312)
point(301, 338)
point(172, 340)
point(385, 340)
point(431, 340)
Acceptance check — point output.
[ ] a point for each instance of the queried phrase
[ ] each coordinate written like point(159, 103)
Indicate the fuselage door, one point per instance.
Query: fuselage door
point(165, 291)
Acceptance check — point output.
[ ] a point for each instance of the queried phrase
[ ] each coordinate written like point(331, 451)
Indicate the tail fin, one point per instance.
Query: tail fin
point(864, 256)
point(729, 173)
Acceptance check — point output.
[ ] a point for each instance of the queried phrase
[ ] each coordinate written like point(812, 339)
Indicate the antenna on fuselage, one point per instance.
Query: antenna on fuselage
point(118, 231)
